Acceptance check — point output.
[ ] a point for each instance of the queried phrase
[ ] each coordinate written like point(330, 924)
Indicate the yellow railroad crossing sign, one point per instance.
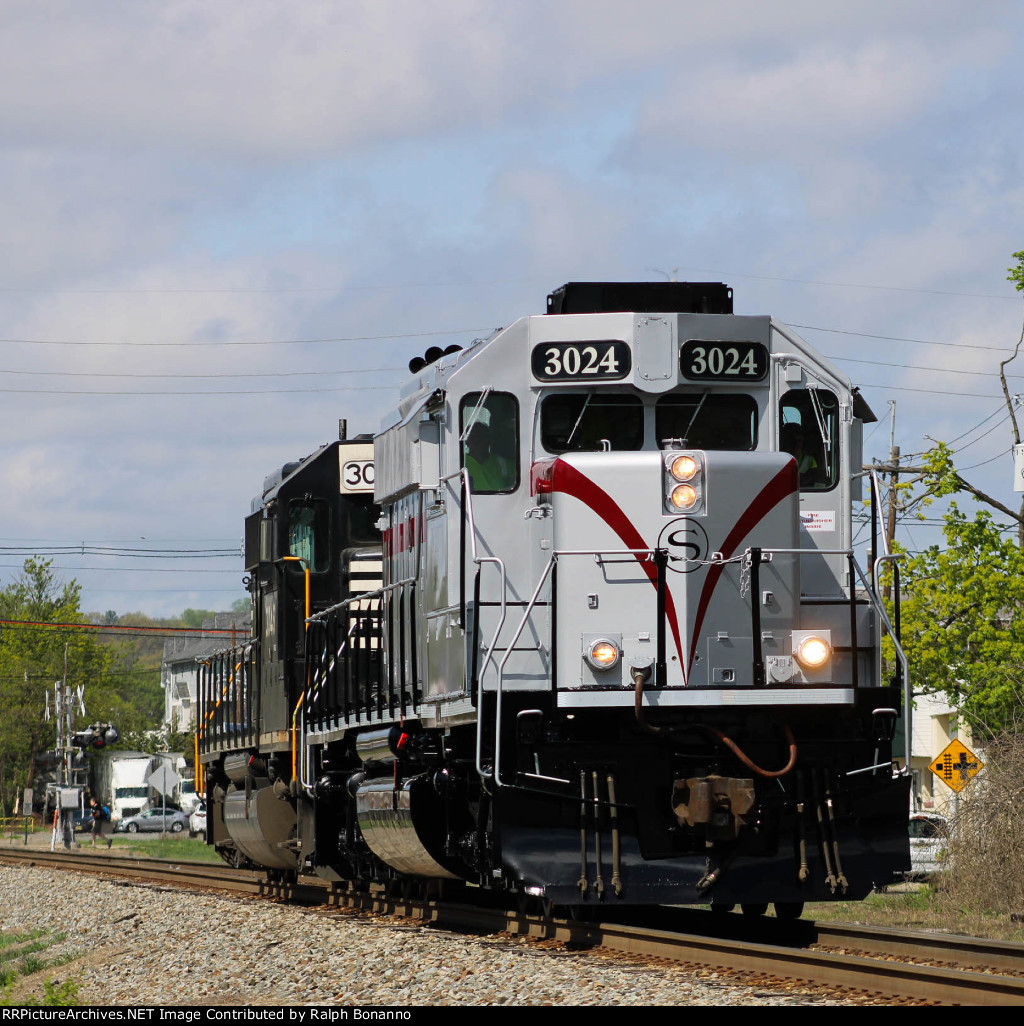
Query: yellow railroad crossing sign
point(957, 766)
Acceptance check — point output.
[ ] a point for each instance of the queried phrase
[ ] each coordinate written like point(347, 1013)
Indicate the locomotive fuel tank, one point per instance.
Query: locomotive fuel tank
point(262, 826)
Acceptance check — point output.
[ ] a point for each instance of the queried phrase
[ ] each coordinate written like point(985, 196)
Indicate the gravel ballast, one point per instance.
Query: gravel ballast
point(132, 944)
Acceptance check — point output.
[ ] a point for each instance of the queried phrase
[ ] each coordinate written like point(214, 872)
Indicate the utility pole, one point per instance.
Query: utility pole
point(67, 796)
point(894, 476)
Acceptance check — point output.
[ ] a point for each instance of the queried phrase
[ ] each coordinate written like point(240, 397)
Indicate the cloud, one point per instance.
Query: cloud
point(183, 171)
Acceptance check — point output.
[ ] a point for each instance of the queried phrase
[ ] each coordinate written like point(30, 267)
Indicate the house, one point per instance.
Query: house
point(179, 672)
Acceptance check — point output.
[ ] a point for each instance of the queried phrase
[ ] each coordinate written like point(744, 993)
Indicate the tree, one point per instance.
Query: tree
point(963, 619)
point(963, 606)
point(195, 617)
point(32, 657)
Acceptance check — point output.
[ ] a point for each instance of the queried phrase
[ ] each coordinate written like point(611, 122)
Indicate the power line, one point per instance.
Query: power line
point(899, 338)
point(976, 426)
point(130, 553)
point(170, 392)
point(390, 286)
point(126, 628)
point(163, 376)
point(131, 569)
point(265, 342)
point(927, 391)
point(917, 367)
point(861, 285)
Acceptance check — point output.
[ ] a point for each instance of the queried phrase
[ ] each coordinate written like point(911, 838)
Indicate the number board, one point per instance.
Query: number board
point(357, 476)
point(723, 361)
point(609, 360)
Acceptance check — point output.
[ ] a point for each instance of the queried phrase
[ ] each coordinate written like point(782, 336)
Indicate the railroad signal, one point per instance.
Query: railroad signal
point(96, 735)
point(957, 766)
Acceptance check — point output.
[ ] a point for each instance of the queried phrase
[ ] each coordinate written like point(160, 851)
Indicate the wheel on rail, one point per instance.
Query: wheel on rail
point(789, 909)
point(754, 908)
point(721, 907)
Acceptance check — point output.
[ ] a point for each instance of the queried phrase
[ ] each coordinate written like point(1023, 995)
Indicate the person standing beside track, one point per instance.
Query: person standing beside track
point(100, 816)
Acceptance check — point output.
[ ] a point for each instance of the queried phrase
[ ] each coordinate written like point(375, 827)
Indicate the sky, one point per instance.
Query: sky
point(226, 226)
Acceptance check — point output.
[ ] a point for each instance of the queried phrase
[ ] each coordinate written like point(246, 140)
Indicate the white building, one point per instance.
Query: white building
point(179, 672)
point(935, 724)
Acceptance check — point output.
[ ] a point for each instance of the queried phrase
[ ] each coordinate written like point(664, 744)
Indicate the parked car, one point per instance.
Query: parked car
point(153, 819)
point(197, 821)
point(82, 821)
point(929, 838)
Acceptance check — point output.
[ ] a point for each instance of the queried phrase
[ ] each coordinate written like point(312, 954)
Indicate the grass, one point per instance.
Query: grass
point(20, 957)
point(38, 943)
point(190, 848)
point(917, 907)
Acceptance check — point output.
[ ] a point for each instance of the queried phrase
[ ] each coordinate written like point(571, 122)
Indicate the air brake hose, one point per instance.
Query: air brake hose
point(641, 673)
point(750, 764)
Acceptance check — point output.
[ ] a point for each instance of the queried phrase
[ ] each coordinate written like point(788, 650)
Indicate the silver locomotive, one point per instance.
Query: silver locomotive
point(615, 646)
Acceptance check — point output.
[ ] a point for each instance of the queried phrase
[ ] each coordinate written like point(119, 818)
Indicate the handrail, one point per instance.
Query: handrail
point(501, 678)
point(557, 553)
point(467, 493)
point(878, 528)
point(904, 664)
point(306, 781)
point(302, 697)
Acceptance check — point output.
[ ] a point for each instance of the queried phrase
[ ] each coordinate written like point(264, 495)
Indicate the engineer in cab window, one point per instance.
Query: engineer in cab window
point(489, 446)
point(793, 443)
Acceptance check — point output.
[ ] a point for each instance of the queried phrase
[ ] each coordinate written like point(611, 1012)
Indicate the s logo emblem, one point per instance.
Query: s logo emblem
point(686, 540)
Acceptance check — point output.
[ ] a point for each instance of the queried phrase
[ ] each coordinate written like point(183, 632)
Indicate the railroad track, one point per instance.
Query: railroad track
point(896, 965)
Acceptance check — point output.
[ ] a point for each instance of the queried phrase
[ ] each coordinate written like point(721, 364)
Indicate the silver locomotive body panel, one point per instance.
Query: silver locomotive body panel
point(603, 505)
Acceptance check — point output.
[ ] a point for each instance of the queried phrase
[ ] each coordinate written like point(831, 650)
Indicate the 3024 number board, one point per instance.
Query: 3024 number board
point(607, 360)
point(723, 361)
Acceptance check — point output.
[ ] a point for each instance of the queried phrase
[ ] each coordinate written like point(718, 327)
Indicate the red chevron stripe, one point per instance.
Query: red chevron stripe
point(566, 478)
point(784, 483)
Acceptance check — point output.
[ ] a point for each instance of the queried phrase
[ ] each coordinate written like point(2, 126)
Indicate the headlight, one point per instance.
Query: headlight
point(683, 482)
point(683, 496)
point(683, 468)
point(813, 652)
point(602, 654)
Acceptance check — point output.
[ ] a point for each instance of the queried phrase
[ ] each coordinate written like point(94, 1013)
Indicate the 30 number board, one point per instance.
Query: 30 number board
point(723, 361)
point(609, 360)
point(357, 476)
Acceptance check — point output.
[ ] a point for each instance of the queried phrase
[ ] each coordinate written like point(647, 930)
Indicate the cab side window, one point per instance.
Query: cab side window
point(809, 432)
point(489, 425)
point(309, 533)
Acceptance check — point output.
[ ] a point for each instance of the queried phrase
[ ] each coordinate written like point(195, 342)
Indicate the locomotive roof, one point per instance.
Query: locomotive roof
point(611, 299)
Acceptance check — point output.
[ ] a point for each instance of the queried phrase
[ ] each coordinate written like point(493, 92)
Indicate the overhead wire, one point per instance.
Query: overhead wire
point(242, 342)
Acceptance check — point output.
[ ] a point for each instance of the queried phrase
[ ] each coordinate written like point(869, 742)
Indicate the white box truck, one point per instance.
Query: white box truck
point(119, 782)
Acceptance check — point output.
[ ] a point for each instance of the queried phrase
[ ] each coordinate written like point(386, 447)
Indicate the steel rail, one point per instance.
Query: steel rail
point(790, 957)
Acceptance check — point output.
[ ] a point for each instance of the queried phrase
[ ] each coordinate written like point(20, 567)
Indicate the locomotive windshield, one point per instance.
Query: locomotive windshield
point(574, 422)
point(708, 421)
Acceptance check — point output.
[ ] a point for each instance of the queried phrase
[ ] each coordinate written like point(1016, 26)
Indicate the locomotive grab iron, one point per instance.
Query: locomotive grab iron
point(582, 623)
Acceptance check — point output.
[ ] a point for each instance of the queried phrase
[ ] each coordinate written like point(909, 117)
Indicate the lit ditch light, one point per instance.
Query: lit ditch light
point(602, 654)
